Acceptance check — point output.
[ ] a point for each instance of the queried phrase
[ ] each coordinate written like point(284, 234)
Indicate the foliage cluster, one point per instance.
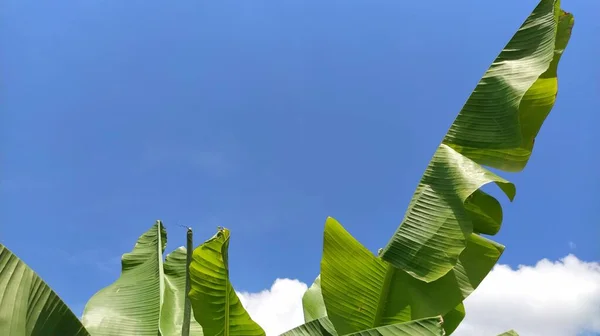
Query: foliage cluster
point(416, 284)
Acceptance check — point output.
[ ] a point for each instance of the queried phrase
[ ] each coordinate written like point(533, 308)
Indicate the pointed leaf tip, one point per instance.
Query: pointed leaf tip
point(496, 128)
point(132, 304)
point(215, 303)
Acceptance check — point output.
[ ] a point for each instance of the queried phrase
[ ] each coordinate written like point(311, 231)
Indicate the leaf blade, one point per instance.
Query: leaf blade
point(312, 302)
point(362, 291)
point(132, 304)
point(319, 327)
point(215, 304)
point(175, 295)
point(453, 318)
point(28, 306)
point(495, 127)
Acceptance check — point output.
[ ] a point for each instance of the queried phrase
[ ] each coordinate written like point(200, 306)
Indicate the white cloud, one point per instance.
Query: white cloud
point(550, 299)
point(559, 298)
point(279, 309)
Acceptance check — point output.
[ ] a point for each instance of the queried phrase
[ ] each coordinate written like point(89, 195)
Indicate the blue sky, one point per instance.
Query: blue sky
point(265, 117)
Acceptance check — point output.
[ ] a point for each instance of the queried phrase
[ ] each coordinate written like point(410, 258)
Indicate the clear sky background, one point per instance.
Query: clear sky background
point(265, 117)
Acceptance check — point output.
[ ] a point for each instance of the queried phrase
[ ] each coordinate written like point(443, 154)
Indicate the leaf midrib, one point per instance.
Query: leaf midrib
point(227, 287)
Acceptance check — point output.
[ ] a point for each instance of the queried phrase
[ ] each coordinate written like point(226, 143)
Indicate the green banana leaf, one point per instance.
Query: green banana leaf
point(28, 307)
point(509, 333)
point(314, 308)
point(148, 297)
point(318, 327)
point(496, 127)
point(175, 296)
point(215, 304)
point(132, 304)
point(312, 302)
point(362, 291)
point(485, 212)
point(423, 327)
point(453, 318)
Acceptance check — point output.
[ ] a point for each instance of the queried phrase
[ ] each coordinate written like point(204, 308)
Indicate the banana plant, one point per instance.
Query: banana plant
point(358, 290)
point(149, 297)
point(220, 312)
point(496, 128)
point(437, 256)
point(414, 286)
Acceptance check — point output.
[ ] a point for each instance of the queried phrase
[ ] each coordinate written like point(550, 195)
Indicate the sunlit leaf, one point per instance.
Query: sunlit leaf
point(132, 304)
point(362, 291)
point(175, 294)
point(215, 304)
point(28, 307)
point(312, 302)
point(496, 127)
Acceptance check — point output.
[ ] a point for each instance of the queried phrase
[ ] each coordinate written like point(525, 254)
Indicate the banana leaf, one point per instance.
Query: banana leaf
point(361, 291)
point(148, 298)
point(496, 127)
point(28, 307)
point(312, 302)
point(215, 304)
point(175, 296)
point(453, 318)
